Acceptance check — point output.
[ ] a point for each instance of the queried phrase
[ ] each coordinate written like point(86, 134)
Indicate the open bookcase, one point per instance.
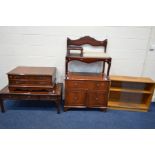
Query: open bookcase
point(131, 93)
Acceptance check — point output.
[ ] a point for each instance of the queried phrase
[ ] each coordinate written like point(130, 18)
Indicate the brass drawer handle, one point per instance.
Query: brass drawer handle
point(75, 98)
point(75, 84)
point(97, 84)
point(96, 98)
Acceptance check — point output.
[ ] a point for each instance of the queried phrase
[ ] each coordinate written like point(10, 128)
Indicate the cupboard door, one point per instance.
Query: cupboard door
point(75, 98)
point(97, 99)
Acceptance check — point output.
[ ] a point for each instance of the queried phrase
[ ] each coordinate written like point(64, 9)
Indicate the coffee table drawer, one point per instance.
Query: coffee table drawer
point(28, 77)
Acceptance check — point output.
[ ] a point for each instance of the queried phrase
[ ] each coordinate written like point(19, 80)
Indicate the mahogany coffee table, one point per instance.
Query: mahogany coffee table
point(55, 95)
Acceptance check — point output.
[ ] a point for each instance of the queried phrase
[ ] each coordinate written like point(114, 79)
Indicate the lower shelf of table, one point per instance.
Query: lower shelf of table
point(128, 106)
point(55, 95)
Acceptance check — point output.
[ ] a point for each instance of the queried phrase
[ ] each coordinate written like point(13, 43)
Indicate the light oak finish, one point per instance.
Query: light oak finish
point(130, 90)
point(131, 93)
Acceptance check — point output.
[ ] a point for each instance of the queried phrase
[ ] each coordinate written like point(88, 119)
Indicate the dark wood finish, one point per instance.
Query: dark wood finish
point(87, 40)
point(89, 60)
point(32, 78)
point(2, 105)
point(98, 98)
point(25, 70)
point(74, 48)
point(55, 95)
point(86, 76)
point(76, 44)
point(86, 90)
point(76, 97)
point(131, 93)
point(30, 88)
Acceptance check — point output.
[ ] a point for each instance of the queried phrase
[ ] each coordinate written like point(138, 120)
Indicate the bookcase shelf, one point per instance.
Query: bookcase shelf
point(131, 93)
point(130, 90)
point(127, 106)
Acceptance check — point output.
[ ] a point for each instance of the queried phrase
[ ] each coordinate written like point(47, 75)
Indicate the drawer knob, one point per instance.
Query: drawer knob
point(96, 98)
point(97, 84)
point(75, 98)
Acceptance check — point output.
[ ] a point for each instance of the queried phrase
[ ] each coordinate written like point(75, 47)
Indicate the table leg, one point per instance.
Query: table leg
point(2, 105)
point(58, 105)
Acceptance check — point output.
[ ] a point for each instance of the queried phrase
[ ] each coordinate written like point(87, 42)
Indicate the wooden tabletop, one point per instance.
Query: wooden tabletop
point(57, 91)
point(86, 59)
point(25, 70)
point(86, 76)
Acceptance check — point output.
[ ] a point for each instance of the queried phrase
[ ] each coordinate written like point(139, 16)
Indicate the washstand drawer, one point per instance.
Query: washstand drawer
point(103, 86)
point(75, 84)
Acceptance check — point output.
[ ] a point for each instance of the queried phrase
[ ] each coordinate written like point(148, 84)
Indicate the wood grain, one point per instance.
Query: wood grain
point(131, 93)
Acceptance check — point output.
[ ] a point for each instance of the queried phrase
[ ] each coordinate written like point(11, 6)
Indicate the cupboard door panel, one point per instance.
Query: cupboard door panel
point(75, 98)
point(97, 99)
